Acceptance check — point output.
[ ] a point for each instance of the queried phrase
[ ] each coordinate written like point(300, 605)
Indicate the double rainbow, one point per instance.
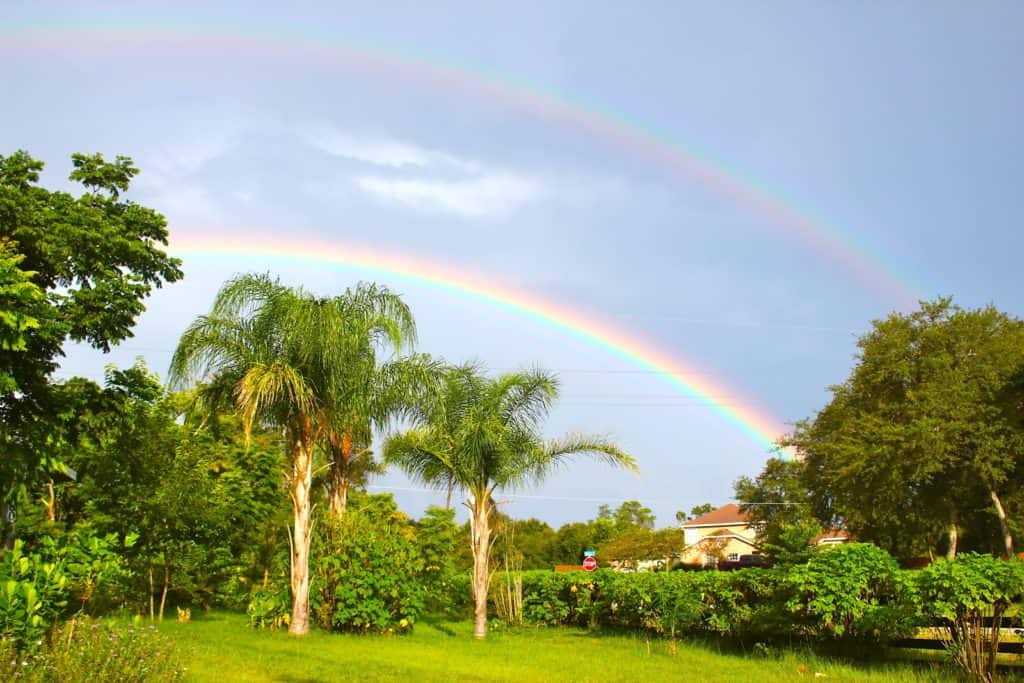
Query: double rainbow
point(147, 34)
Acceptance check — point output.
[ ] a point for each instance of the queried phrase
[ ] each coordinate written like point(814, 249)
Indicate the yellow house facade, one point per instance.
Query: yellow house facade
point(722, 535)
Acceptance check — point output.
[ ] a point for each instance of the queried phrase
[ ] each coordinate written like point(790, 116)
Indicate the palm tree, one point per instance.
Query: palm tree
point(371, 396)
point(279, 356)
point(484, 434)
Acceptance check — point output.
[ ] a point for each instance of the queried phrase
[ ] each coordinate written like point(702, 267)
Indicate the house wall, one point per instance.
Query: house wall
point(693, 535)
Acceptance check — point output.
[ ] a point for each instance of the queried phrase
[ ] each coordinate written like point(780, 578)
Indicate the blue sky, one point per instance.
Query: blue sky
point(896, 124)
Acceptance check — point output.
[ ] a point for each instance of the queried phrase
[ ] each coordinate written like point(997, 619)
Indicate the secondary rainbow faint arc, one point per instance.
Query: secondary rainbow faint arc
point(757, 424)
point(826, 239)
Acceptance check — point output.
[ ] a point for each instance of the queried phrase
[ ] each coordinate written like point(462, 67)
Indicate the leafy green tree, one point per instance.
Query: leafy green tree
point(641, 543)
point(75, 268)
point(923, 439)
point(632, 515)
point(485, 435)
point(779, 506)
point(280, 356)
point(21, 304)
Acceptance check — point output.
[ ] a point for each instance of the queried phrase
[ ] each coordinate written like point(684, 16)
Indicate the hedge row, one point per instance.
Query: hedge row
point(852, 593)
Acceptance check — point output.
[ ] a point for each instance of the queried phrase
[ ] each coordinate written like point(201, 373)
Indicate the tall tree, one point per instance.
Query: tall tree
point(922, 438)
point(484, 434)
point(280, 356)
point(75, 268)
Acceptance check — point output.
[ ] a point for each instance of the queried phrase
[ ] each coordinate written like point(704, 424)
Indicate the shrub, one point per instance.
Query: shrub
point(365, 574)
point(83, 650)
point(33, 594)
point(969, 596)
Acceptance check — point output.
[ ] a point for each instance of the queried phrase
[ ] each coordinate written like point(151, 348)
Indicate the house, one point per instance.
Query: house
point(722, 535)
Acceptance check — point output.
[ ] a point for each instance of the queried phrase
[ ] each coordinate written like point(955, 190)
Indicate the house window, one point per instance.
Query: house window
point(734, 557)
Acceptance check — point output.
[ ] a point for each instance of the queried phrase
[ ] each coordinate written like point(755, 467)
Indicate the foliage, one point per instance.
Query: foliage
point(970, 596)
point(643, 544)
point(66, 574)
point(33, 593)
point(854, 591)
point(929, 408)
point(366, 573)
point(91, 261)
point(437, 536)
point(778, 504)
point(21, 301)
point(87, 651)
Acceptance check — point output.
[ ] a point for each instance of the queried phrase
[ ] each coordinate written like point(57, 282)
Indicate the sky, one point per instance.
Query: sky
point(740, 187)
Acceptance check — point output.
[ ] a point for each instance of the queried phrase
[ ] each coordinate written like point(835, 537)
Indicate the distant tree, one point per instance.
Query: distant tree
point(923, 436)
point(71, 268)
point(631, 515)
point(642, 543)
point(702, 509)
point(485, 435)
point(530, 543)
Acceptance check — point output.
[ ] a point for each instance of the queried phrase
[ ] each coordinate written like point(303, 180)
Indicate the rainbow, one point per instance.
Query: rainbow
point(683, 376)
point(219, 37)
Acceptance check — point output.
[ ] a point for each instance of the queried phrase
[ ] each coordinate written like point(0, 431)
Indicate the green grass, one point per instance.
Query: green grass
point(222, 648)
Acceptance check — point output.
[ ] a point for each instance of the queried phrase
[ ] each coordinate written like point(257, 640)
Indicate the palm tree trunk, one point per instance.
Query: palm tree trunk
point(1003, 524)
point(301, 483)
point(448, 498)
point(339, 478)
point(481, 540)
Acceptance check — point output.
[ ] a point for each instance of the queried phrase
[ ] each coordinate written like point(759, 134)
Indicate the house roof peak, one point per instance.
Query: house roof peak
point(727, 515)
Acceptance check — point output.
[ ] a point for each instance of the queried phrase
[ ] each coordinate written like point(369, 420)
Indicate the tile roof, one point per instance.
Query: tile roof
point(727, 515)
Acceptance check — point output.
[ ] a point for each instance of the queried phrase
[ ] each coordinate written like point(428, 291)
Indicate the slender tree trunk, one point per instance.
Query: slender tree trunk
point(448, 498)
point(339, 476)
point(954, 532)
point(301, 483)
point(481, 540)
point(152, 607)
point(163, 594)
point(1004, 526)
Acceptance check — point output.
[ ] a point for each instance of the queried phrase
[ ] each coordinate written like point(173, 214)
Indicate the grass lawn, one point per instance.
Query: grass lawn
point(222, 648)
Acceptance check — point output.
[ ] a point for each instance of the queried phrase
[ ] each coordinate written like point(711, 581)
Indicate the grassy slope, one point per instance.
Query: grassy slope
point(222, 648)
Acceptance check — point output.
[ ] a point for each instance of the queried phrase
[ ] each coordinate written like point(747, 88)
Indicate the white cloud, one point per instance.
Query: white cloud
point(386, 152)
point(473, 197)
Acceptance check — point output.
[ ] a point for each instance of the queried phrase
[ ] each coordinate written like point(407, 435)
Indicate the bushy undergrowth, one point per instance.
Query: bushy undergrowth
point(854, 596)
point(365, 576)
point(83, 650)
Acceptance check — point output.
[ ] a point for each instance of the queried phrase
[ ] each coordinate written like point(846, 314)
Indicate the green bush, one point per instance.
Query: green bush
point(33, 594)
point(366, 574)
point(88, 651)
point(969, 596)
point(855, 592)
